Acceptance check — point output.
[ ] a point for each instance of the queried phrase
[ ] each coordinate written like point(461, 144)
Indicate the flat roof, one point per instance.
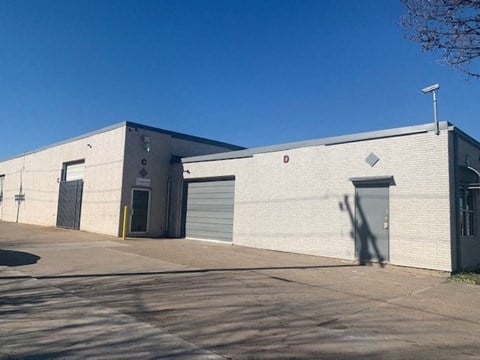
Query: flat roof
point(133, 125)
point(408, 130)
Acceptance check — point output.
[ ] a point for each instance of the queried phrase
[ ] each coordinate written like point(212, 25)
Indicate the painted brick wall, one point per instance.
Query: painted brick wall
point(42, 171)
point(159, 171)
point(301, 206)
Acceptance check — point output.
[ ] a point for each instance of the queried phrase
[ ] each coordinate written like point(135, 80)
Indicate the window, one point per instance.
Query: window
point(2, 178)
point(467, 225)
point(73, 170)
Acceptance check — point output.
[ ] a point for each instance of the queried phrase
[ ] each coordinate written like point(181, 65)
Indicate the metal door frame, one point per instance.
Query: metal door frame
point(371, 182)
point(131, 211)
point(186, 184)
point(366, 184)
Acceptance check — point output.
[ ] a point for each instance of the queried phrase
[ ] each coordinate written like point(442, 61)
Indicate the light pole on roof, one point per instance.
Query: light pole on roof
point(433, 89)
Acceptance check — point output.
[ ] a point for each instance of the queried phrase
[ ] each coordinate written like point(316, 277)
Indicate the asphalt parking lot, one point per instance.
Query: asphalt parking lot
point(75, 295)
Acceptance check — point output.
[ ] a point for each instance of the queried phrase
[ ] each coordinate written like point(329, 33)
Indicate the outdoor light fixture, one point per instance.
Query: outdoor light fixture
point(433, 89)
point(146, 143)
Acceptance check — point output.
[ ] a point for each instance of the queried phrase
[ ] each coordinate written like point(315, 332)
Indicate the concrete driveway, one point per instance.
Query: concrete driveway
point(74, 295)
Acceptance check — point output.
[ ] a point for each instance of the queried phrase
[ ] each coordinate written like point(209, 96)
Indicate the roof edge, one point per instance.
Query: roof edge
point(335, 140)
point(126, 124)
point(76, 138)
point(185, 136)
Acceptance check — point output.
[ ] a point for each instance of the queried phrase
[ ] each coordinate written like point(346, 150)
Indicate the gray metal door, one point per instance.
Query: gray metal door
point(140, 210)
point(70, 204)
point(372, 223)
point(210, 210)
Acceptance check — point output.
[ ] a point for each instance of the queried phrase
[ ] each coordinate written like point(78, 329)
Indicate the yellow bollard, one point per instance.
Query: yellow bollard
point(125, 222)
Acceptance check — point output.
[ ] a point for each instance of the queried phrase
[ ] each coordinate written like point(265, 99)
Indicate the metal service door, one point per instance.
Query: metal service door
point(70, 204)
point(140, 210)
point(372, 223)
point(210, 210)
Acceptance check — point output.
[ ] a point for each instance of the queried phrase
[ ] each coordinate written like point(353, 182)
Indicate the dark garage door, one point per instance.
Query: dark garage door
point(210, 210)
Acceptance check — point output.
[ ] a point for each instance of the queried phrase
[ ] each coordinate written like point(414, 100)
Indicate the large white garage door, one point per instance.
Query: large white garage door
point(210, 210)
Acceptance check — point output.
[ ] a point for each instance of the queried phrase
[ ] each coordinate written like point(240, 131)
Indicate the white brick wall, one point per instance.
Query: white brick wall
point(159, 170)
point(42, 170)
point(112, 163)
point(296, 207)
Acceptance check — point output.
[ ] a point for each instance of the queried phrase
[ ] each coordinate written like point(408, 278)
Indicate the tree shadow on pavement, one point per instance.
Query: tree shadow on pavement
point(17, 258)
point(239, 315)
point(177, 272)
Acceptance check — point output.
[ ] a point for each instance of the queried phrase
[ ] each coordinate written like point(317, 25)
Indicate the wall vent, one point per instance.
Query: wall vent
point(372, 159)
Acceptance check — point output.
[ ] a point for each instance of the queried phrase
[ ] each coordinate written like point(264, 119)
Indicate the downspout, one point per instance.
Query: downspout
point(167, 210)
point(179, 211)
point(183, 217)
point(457, 203)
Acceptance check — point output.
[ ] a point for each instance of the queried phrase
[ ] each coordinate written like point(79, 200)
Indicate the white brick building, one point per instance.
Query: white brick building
point(405, 196)
point(84, 183)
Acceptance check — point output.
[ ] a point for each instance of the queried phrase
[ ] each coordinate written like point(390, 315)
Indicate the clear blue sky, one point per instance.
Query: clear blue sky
point(248, 72)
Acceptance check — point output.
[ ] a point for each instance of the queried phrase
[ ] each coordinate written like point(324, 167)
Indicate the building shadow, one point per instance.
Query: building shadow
point(366, 247)
point(17, 258)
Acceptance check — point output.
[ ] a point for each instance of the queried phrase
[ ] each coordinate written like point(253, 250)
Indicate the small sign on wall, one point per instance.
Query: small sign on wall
point(143, 182)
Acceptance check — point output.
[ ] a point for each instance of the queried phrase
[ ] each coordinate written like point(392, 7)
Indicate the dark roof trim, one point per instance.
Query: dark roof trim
point(372, 180)
point(466, 137)
point(408, 130)
point(184, 136)
point(128, 124)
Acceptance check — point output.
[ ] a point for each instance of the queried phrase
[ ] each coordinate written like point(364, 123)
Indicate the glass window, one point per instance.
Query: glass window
point(466, 201)
point(73, 170)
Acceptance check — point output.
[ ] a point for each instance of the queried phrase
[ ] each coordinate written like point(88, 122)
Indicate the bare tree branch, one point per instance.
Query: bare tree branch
point(449, 26)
